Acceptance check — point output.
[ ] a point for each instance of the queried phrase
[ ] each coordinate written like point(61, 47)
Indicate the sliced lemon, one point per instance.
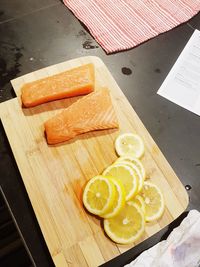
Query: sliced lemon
point(135, 161)
point(129, 143)
point(127, 226)
point(126, 175)
point(119, 200)
point(154, 201)
point(140, 202)
point(136, 172)
point(99, 195)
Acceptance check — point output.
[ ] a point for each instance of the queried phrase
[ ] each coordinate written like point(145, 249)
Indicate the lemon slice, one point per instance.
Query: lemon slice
point(154, 201)
point(135, 161)
point(127, 226)
point(99, 195)
point(119, 200)
point(136, 172)
point(126, 175)
point(129, 143)
point(140, 202)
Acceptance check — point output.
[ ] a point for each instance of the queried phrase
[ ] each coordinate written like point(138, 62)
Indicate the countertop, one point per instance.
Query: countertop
point(39, 33)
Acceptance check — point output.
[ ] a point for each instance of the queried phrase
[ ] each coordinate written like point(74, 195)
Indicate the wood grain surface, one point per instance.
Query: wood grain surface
point(54, 176)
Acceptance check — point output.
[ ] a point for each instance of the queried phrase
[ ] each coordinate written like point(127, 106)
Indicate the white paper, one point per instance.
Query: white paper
point(181, 249)
point(182, 84)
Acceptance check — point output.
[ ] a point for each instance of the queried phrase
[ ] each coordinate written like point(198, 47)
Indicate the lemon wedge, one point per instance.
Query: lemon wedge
point(129, 143)
point(127, 226)
point(133, 160)
point(154, 201)
point(119, 199)
point(99, 195)
point(126, 175)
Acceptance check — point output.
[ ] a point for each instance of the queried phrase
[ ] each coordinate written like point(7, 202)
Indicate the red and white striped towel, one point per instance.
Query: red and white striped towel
point(122, 24)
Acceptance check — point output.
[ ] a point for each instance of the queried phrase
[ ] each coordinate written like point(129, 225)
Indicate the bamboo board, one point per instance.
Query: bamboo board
point(55, 175)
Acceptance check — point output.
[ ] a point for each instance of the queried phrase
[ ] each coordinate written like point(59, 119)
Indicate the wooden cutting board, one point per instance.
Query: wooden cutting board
point(54, 176)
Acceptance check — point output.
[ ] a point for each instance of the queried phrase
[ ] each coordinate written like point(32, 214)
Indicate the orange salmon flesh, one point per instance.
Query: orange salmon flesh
point(74, 82)
point(92, 112)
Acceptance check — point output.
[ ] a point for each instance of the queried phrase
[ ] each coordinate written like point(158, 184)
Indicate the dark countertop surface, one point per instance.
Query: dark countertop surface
point(39, 33)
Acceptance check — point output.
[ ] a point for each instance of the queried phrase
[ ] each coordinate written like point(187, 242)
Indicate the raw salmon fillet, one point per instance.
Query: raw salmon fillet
point(77, 81)
point(92, 112)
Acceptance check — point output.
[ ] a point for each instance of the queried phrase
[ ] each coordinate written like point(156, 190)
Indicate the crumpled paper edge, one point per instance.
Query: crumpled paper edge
point(167, 253)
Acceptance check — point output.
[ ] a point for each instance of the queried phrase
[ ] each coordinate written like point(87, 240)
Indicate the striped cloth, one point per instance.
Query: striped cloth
point(122, 24)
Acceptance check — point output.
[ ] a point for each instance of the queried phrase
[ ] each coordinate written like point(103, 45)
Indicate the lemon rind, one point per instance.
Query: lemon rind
point(134, 190)
point(131, 158)
point(110, 200)
point(135, 168)
point(162, 207)
point(141, 200)
point(120, 152)
point(122, 194)
point(122, 240)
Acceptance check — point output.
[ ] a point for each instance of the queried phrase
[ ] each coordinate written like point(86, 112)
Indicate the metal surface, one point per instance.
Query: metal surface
point(35, 34)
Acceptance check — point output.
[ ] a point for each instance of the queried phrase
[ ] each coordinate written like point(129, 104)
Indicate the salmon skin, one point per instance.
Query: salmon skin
point(92, 112)
point(74, 82)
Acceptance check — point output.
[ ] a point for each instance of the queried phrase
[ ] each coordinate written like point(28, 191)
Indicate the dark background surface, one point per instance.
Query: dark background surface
point(39, 33)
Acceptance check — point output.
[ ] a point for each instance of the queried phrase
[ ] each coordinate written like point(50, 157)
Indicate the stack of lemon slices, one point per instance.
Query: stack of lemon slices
point(121, 196)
